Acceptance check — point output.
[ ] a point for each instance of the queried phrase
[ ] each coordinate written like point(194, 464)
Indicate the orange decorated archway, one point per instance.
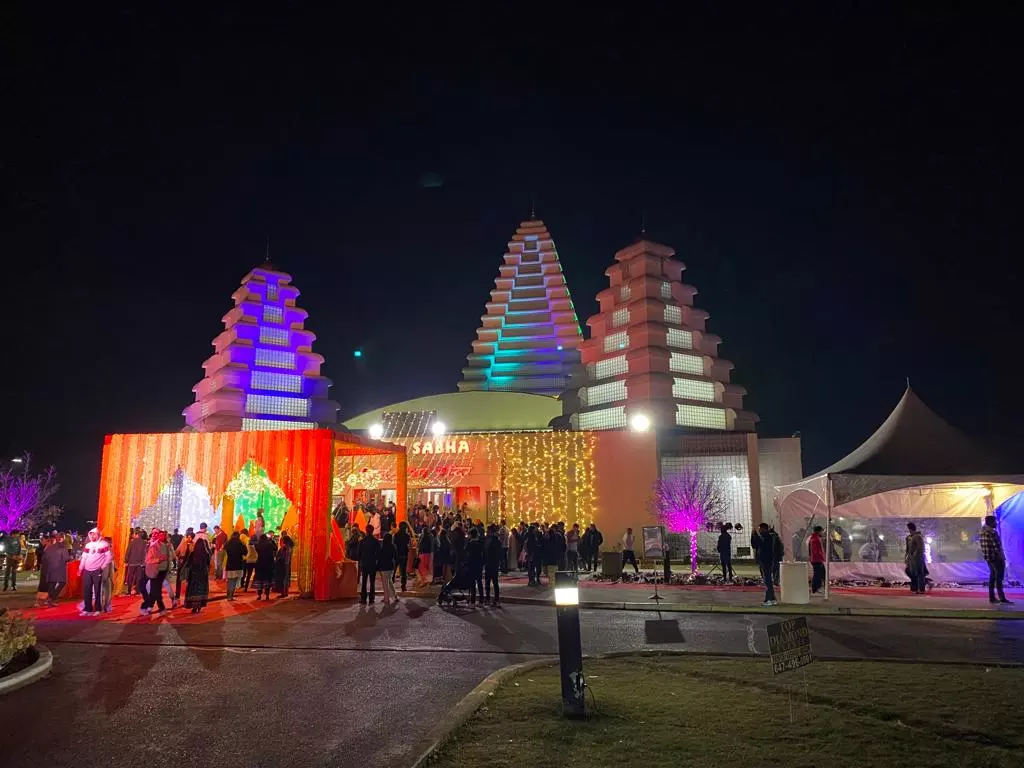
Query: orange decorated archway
point(300, 462)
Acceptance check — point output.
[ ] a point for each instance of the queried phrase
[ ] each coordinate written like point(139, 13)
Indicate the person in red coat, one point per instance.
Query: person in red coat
point(816, 551)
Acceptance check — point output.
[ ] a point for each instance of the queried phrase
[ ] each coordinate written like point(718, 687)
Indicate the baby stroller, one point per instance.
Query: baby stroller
point(456, 589)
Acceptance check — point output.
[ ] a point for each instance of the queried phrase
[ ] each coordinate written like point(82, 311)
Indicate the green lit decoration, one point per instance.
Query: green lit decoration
point(251, 490)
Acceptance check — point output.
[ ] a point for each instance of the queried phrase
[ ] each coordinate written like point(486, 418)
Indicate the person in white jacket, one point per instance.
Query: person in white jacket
point(96, 556)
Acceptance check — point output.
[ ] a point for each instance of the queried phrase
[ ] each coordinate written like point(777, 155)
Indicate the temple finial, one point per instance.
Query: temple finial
point(268, 249)
point(533, 208)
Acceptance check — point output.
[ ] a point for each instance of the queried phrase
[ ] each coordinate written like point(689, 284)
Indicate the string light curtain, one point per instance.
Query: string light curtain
point(545, 476)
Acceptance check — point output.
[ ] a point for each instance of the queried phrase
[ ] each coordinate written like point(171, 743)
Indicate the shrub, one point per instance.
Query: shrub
point(16, 635)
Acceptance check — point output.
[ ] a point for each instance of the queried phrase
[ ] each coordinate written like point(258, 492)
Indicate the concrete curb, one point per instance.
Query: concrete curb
point(470, 703)
point(782, 609)
point(38, 670)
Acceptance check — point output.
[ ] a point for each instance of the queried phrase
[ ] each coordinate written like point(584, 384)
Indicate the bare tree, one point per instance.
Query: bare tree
point(689, 500)
point(24, 495)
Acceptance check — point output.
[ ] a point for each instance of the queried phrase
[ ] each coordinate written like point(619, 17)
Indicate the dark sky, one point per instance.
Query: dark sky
point(843, 185)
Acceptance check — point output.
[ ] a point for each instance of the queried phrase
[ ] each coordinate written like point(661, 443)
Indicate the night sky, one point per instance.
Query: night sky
point(845, 190)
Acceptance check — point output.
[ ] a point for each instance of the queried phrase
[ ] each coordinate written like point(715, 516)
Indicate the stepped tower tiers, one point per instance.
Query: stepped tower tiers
point(263, 373)
point(530, 338)
point(649, 353)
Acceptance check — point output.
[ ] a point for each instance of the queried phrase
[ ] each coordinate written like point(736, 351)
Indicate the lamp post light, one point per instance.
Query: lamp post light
point(570, 650)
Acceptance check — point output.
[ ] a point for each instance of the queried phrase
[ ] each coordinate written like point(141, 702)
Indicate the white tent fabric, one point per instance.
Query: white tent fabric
point(914, 467)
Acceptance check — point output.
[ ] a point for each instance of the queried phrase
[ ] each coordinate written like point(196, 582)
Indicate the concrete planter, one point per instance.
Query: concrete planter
point(39, 669)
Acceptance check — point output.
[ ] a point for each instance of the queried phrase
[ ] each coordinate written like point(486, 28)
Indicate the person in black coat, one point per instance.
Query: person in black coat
point(764, 552)
point(475, 565)
point(369, 551)
point(724, 548)
point(493, 557)
point(236, 551)
point(402, 543)
point(266, 552)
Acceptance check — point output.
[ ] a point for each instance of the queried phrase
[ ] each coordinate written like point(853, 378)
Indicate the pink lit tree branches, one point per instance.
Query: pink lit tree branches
point(688, 501)
point(24, 496)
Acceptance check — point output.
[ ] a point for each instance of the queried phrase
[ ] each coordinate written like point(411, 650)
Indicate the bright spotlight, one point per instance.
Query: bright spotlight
point(376, 431)
point(437, 428)
point(640, 422)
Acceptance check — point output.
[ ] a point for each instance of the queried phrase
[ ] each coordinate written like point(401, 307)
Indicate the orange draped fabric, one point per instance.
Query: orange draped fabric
point(299, 462)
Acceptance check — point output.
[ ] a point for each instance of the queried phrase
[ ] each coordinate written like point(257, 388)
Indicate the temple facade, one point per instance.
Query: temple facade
point(263, 373)
point(649, 353)
point(529, 339)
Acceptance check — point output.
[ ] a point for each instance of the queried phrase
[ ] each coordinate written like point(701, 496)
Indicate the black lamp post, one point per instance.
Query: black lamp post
point(570, 651)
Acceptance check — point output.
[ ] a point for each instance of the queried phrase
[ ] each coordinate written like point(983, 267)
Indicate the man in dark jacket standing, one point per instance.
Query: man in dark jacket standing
point(402, 542)
point(724, 547)
point(494, 556)
point(475, 565)
point(764, 552)
point(369, 550)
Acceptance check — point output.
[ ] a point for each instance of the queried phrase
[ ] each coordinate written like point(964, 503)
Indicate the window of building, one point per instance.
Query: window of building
point(605, 393)
point(606, 418)
point(277, 406)
point(666, 289)
point(679, 338)
point(614, 341)
point(620, 317)
point(625, 293)
point(700, 417)
point(268, 425)
point(732, 476)
point(272, 314)
point(673, 314)
point(613, 366)
point(276, 336)
point(688, 389)
point(271, 291)
point(680, 363)
point(276, 382)
point(272, 358)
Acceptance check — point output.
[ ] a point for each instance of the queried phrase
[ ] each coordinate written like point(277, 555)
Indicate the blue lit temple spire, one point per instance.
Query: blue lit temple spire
point(263, 373)
point(530, 338)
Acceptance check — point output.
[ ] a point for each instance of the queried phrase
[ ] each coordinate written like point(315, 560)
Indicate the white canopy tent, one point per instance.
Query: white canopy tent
point(914, 467)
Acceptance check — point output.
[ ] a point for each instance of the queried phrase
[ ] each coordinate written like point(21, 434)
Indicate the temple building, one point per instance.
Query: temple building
point(264, 374)
point(650, 353)
point(529, 339)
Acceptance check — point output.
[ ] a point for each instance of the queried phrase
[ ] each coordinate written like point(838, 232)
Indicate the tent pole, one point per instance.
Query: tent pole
point(828, 530)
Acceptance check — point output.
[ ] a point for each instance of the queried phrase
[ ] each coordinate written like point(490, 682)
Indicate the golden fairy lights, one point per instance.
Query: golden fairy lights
point(545, 475)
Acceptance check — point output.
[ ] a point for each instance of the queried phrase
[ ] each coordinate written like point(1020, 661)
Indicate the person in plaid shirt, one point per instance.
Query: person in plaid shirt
point(992, 551)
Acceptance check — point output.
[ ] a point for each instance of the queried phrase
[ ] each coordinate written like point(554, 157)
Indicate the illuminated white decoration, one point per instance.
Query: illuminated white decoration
point(673, 314)
point(276, 336)
point(605, 393)
point(625, 294)
point(273, 358)
point(701, 417)
point(678, 338)
point(182, 503)
point(616, 341)
point(606, 418)
point(274, 425)
point(272, 314)
point(689, 389)
point(279, 382)
point(613, 366)
point(681, 363)
point(666, 289)
point(620, 317)
point(277, 406)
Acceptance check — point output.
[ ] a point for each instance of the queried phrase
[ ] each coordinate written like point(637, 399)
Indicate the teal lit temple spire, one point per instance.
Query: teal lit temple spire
point(530, 338)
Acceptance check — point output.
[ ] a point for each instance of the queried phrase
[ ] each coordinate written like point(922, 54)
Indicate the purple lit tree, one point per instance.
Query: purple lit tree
point(689, 500)
point(24, 496)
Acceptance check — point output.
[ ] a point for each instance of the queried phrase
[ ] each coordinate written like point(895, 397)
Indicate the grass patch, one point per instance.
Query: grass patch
point(671, 711)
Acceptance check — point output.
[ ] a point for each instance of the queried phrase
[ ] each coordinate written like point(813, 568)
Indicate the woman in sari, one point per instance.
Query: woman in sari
point(283, 566)
point(197, 562)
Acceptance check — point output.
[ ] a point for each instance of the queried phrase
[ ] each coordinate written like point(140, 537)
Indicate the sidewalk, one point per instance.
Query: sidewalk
point(872, 601)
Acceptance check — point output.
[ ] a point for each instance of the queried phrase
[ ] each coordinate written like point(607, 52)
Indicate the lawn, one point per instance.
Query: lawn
point(670, 711)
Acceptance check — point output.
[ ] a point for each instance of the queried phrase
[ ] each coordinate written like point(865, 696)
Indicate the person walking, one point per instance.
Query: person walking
point(53, 570)
point(475, 566)
point(263, 574)
point(386, 568)
point(156, 570)
point(913, 556)
point(724, 547)
point(283, 566)
point(249, 563)
point(107, 591)
point(197, 564)
point(572, 544)
point(12, 559)
point(220, 540)
point(995, 559)
point(816, 554)
point(234, 563)
point(628, 551)
point(494, 556)
point(134, 563)
point(764, 552)
point(369, 550)
point(96, 555)
point(181, 556)
point(403, 542)
point(504, 539)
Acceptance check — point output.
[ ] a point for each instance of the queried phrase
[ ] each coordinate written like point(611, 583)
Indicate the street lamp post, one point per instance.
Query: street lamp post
point(570, 650)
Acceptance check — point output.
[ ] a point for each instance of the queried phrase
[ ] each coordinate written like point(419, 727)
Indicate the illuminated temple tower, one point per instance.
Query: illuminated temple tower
point(530, 338)
point(263, 373)
point(649, 352)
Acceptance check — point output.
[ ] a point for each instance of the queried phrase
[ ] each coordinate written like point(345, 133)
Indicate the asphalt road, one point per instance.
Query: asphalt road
point(309, 684)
